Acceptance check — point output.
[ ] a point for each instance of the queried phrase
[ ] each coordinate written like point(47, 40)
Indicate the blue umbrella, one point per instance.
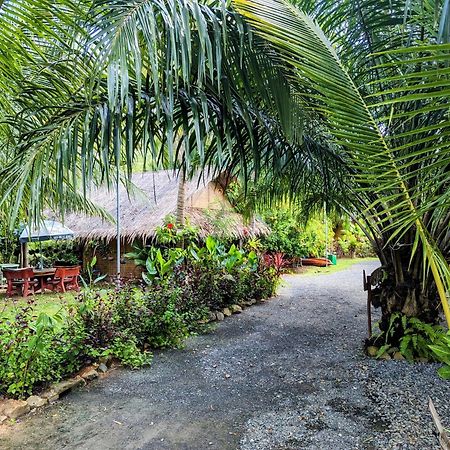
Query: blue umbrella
point(47, 230)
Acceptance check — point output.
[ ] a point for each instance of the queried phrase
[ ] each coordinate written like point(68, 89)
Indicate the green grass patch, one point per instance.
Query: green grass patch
point(342, 264)
point(47, 303)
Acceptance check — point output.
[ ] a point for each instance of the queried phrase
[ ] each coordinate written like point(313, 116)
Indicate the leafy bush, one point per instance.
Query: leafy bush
point(50, 252)
point(36, 350)
point(417, 339)
point(353, 242)
point(441, 350)
point(293, 239)
point(181, 286)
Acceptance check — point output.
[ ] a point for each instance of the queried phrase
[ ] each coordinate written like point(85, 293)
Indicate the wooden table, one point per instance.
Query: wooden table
point(42, 275)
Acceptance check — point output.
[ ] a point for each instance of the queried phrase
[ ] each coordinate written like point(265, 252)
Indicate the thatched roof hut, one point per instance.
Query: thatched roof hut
point(152, 198)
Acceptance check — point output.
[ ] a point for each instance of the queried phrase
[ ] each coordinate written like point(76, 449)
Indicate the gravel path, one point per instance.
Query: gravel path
point(285, 374)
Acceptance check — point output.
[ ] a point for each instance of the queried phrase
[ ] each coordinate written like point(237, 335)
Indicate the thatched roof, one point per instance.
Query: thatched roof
point(152, 198)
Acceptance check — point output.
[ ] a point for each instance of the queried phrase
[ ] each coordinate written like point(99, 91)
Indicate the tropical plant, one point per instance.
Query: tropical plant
point(441, 351)
point(344, 101)
point(411, 337)
point(375, 78)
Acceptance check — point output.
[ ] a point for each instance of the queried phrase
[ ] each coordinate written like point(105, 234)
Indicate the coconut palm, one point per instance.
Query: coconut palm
point(132, 77)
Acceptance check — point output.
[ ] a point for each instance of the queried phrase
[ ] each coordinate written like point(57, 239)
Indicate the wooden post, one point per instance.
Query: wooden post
point(23, 255)
point(367, 283)
point(444, 440)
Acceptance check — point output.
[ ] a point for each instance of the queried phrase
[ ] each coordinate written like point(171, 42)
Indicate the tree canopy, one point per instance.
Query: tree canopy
point(339, 100)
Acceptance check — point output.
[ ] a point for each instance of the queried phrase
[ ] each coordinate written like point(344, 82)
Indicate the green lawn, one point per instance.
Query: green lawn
point(342, 264)
point(48, 303)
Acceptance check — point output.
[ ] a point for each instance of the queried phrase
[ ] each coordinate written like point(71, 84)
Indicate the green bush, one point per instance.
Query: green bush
point(293, 239)
point(416, 339)
point(50, 252)
point(441, 351)
point(36, 350)
point(181, 286)
point(354, 243)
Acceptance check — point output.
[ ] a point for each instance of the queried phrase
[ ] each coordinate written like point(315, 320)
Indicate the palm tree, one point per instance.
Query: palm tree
point(380, 89)
point(106, 80)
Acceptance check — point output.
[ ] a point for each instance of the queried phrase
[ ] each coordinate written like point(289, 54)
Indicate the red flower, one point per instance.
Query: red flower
point(170, 226)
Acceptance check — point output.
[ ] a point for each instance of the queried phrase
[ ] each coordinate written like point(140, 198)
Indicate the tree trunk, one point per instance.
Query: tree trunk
point(181, 199)
point(403, 287)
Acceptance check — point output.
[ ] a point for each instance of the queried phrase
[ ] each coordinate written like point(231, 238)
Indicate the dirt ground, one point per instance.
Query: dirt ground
point(289, 373)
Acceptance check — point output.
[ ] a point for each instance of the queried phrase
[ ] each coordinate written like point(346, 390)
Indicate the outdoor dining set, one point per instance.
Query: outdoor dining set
point(29, 280)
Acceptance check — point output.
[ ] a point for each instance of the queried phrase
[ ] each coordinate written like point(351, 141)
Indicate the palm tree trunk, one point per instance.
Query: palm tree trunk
point(404, 288)
point(181, 199)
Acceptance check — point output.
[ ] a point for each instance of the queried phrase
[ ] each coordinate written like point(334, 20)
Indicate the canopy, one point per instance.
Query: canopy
point(48, 230)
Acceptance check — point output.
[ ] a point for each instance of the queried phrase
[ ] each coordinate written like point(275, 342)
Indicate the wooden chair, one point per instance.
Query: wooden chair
point(66, 278)
point(20, 281)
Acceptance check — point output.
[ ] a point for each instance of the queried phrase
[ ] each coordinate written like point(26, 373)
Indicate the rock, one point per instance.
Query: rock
point(385, 356)
point(50, 396)
point(220, 316)
point(422, 359)
point(3, 419)
point(102, 368)
point(372, 351)
point(398, 356)
point(89, 373)
point(393, 350)
point(106, 360)
point(63, 386)
point(211, 316)
point(14, 408)
point(235, 309)
point(226, 312)
point(34, 401)
point(252, 301)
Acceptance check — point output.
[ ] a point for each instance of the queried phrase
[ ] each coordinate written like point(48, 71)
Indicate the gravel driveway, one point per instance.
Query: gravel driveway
point(286, 374)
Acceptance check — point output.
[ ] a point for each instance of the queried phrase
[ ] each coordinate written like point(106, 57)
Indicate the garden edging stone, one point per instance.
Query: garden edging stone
point(14, 408)
point(34, 401)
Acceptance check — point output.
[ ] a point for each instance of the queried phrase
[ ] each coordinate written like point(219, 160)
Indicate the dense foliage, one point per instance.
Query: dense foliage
point(415, 340)
point(215, 273)
point(48, 253)
point(181, 286)
point(295, 238)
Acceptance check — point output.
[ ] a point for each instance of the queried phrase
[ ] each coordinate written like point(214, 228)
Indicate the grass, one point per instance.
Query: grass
point(342, 264)
point(48, 303)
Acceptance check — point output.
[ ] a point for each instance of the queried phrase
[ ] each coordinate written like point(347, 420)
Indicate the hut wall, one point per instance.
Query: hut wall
point(210, 197)
point(106, 260)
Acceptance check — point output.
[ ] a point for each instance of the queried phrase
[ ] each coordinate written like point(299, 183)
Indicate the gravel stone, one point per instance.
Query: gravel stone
point(298, 379)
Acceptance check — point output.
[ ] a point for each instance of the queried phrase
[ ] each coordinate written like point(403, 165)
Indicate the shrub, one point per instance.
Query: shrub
point(36, 350)
point(353, 242)
point(441, 350)
point(413, 338)
point(294, 240)
point(181, 286)
point(51, 252)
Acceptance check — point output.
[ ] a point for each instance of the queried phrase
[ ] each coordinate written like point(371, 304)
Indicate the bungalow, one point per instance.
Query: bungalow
point(152, 198)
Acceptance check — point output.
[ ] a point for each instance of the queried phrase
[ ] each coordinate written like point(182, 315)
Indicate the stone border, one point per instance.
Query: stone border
point(13, 409)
